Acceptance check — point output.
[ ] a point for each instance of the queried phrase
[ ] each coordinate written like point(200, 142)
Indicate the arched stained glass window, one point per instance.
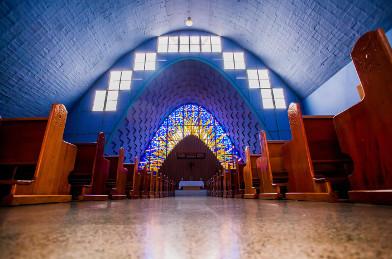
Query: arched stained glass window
point(189, 119)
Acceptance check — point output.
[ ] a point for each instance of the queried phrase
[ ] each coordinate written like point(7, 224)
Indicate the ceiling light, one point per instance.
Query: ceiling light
point(189, 22)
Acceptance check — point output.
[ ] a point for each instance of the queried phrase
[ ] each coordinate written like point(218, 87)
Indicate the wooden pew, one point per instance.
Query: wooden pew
point(34, 159)
point(251, 178)
point(219, 181)
point(275, 159)
point(269, 190)
point(88, 179)
point(158, 186)
point(118, 175)
point(153, 179)
point(258, 175)
point(239, 184)
point(170, 187)
point(207, 186)
point(364, 130)
point(130, 178)
point(313, 158)
point(137, 182)
point(167, 186)
point(228, 182)
point(173, 188)
point(216, 185)
point(145, 191)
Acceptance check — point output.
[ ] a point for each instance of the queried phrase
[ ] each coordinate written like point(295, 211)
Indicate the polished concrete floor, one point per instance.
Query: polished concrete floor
point(196, 227)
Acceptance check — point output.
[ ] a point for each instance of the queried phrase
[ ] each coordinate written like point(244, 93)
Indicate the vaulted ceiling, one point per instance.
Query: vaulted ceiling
point(52, 51)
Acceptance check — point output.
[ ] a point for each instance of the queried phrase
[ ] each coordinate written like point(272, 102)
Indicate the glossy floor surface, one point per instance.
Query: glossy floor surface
point(196, 227)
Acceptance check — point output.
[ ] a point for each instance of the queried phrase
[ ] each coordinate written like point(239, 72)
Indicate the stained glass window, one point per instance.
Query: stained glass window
point(189, 119)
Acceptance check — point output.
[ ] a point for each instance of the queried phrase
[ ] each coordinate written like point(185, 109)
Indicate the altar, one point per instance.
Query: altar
point(191, 185)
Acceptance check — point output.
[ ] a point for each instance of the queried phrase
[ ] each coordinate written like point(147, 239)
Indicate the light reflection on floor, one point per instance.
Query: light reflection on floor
point(197, 227)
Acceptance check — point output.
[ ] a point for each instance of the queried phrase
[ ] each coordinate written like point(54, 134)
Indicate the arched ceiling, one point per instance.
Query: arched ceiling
point(52, 51)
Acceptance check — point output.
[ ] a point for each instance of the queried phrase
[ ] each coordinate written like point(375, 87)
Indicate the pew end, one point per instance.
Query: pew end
point(239, 179)
point(313, 138)
point(35, 161)
point(117, 180)
point(88, 179)
point(268, 162)
point(250, 180)
point(364, 129)
point(135, 193)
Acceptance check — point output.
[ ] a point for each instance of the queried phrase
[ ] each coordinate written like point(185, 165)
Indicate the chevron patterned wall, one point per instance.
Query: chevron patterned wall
point(185, 82)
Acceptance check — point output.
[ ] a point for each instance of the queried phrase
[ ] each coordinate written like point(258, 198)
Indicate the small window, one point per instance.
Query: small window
point(139, 61)
point(99, 100)
point(163, 44)
point(184, 43)
point(111, 101)
point(239, 60)
point(211, 44)
point(173, 44)
point(105, 100)
point(280, 102)
point(233, 60)
point(253, 78)
point(194, 44)
point(216, 45)
point(205, 43)
point(258, 78)
point(150, 61)
point(120, 80)
point(266, 97)
point(228, 60)
point(144, 61)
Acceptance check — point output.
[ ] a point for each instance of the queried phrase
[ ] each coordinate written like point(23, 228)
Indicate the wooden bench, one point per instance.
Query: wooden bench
point(158, 187)
point(208, 186)
point(219, 181)
point(239, 184)
point(153, 179)
point(228, 182)
point(258, 175)
point(131, 167)
point(218, 192)
point(270, 167)
point(35, 160)
point(275, 159)
point(364, 130)
point(145, 186)
point(166, 188)
point(118, 175)
point(313, 158)
point(251, 177)
point(88, 179)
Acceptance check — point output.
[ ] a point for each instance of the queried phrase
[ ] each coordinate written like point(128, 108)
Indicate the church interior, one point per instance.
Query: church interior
point(195, 129)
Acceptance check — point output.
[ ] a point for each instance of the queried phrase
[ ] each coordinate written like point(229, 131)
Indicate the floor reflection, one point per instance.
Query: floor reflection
point(198, 227)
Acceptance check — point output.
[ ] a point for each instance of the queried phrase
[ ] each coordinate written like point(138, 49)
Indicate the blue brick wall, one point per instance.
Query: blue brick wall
point(53, 50)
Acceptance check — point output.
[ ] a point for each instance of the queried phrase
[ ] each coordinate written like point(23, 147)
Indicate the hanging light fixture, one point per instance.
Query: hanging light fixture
point(189, 22)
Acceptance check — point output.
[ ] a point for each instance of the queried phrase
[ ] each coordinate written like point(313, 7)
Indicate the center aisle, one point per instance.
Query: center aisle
point(196, 227)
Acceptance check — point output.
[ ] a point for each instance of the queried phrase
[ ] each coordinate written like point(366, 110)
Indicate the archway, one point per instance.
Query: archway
point(188, 81)
point(186, 120)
